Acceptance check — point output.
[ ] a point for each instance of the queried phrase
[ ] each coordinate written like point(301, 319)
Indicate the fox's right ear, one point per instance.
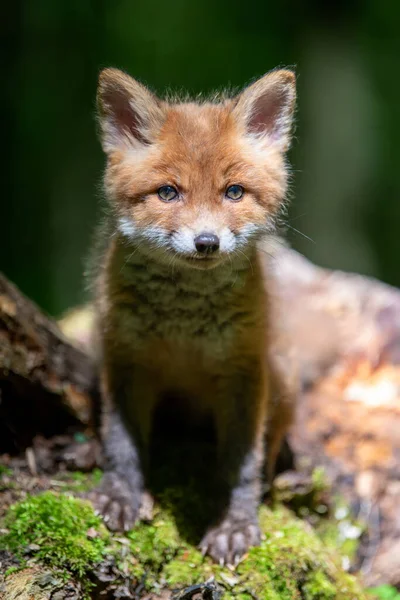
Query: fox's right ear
point(129, 114)
point(265, 108)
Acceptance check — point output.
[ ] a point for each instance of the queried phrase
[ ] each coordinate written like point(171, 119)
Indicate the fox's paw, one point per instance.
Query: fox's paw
point(119, 505)
point(227, 542)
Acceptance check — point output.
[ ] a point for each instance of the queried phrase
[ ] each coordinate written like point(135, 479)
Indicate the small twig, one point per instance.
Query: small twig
point(31, 460)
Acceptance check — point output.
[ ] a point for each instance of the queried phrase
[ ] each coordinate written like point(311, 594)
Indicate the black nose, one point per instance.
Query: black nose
point(206, 243)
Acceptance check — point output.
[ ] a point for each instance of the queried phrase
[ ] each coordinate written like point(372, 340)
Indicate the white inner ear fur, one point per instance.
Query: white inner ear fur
point(129, 114)
point(265, 110)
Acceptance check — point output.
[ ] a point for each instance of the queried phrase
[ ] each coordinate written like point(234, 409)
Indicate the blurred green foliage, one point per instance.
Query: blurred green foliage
point(385, 592)
point(345, 157)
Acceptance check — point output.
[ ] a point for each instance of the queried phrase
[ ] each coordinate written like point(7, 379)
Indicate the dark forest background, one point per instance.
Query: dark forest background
point(346, 154)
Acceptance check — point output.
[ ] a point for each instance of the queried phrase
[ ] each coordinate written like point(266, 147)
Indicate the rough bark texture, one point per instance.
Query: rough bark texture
point(45, 382)
point(38, 583)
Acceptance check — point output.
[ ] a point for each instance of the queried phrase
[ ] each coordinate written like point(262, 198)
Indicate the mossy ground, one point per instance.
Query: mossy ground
point(58, 529)
point(291, 563)
point(385, 592)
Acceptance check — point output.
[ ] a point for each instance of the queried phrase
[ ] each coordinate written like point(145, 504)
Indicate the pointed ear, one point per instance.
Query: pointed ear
point(266, 107)
point(129, 114)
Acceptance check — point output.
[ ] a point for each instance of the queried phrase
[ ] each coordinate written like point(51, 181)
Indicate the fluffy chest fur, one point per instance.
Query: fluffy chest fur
point(181, 322)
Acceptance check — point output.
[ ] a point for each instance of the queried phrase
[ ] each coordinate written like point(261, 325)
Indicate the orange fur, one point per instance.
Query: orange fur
point(199, 150)
point(172, 318)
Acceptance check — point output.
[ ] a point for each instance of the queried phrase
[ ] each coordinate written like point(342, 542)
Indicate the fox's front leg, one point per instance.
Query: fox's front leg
point(240, 419)
point(128, 397)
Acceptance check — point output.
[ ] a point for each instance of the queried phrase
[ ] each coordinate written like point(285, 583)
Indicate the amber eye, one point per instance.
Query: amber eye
point(234, 192)
point(167, 193)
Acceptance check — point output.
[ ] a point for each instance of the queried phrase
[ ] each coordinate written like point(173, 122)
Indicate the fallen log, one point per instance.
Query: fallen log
point(45, 382)
point(344, 331)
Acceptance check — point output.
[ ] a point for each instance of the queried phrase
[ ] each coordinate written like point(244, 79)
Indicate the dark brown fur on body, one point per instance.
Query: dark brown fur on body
point(172, 318)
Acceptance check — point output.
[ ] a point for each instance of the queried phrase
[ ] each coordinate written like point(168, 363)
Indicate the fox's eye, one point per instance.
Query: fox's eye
point(167, 193)
point(234, 192)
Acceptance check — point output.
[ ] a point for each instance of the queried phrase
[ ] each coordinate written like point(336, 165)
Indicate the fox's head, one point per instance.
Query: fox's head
point(200, 182)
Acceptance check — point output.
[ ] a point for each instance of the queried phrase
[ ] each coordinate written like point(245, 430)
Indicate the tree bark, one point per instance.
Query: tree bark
point(38, 583)
point(343, 330)
point(45, 381)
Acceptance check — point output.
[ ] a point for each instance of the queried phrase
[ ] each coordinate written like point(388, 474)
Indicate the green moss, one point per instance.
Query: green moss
point(83, 482)
point(385, 592)
point(189, 566)
point(307, 496)
point(12, 570)
point(55, 528)
point(319, 479)
point(319, 586)
point(292, 563)
point(154, 544)
point(341, 531)
point(5, 470)
point(5, 482)
point(79, 482)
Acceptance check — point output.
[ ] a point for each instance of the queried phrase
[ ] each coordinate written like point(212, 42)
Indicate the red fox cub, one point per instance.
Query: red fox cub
point(193, 188)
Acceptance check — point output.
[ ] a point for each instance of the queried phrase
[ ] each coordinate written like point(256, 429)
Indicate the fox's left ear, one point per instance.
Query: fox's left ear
point(130, 116)
point(266, 107)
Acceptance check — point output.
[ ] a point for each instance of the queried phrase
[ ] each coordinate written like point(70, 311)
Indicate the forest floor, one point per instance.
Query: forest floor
point(48, 535)
point(337, 512)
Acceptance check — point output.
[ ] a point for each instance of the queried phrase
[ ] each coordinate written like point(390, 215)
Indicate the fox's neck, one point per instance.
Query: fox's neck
point(149, 272)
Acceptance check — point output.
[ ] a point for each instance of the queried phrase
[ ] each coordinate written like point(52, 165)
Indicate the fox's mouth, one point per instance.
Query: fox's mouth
point(202, 261)
point(204, 257)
